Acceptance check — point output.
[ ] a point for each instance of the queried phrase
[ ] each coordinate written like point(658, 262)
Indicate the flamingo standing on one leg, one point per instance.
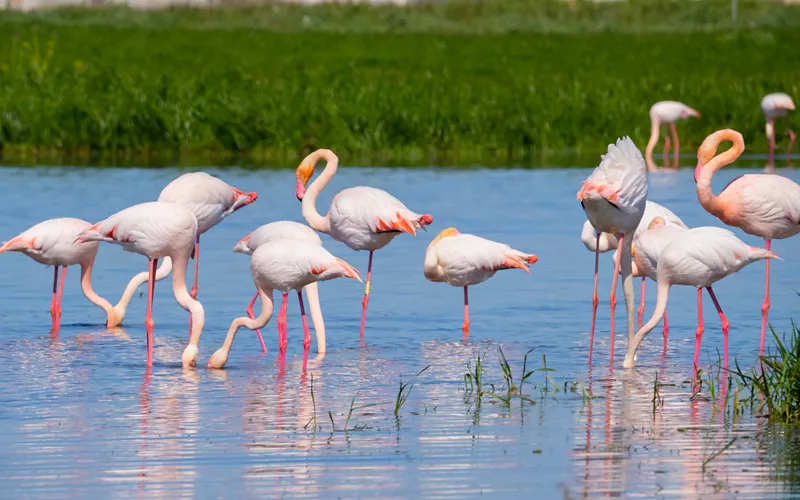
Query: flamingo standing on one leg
point(283, 265)
point(363, 218)
point(764, 205)
point(157, 230)
point(699, 257)
point(211, 200)
point(287, 230)
point(613, 198)
point(464, 259)
point(666, 113)
point(52, 243)
point(774, 106)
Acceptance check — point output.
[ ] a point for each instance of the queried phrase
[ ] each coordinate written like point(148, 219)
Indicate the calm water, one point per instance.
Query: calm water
point(82, 416)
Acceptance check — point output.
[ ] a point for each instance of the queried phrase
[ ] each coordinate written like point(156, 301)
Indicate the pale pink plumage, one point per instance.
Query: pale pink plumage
point(666, 113)
point(776, 106)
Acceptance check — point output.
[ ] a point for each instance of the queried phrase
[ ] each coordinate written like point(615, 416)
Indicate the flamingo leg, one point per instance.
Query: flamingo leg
point(148, 320)
point(700, 329)
point(252, 316)
point(641, 303)
point(675, 144)
point(613, 298)
point(791, 143)
point(54, 301)
point(465, 326)
point(365, 302)
point(665, 331)
point(771, 129)
point(666, 150)
point(283, 323)
point(726, 326)
point(307, 334)
point(766, 304)
point(595, 300)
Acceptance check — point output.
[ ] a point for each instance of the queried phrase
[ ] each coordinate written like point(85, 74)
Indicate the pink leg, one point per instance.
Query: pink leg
point(365, 302)
point(251, 316)
point(726, 326)
point(666, 150)
point(465, 326)
point(641, 303)
point(700, 329)
point(675, 144)
point(665, 331)
point(54, 302)
point(595, 300)
point(791, 143)
point(283, 323)
point(765, 305)
point(148, 320)
point(771, 161)
point(613, 298)
point(307, 337)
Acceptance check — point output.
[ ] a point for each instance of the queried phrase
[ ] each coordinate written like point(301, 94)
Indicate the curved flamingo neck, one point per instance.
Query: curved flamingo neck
point(431, 267)
point(179, 264)
point(122, 306)
point(705, 172)
point(310, 213)
point(220, 357)
point(312, 293)
point(88, 291)
point(655, 130)
point(661, 307)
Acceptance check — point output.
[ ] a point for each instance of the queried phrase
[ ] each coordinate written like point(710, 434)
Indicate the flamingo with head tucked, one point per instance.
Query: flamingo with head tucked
point(52, 243)
point(764, 205)
point(363, 218)
point(774, 106)
point(666, 113)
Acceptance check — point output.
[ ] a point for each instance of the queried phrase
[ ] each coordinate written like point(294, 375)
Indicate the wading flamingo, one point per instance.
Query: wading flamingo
point(52, 243)
point(288, 230)
point(666, 113)
point(211, 200)
point(363, 218)
point(157, 230)
point(464, 259)
point(764, 205)
point(699, 257)
point(283, 265)
point(774, 106)
point(613, 198)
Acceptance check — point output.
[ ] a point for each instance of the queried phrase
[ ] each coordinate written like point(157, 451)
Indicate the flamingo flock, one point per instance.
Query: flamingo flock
point(648, 239)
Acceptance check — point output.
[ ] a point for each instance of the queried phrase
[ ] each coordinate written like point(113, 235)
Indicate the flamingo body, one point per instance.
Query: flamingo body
point(279, 230)
point(668, 112)
point(649, 246)
point(776, 105)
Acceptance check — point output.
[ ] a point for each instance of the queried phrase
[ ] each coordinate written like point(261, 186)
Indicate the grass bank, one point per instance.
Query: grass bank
point(114, 85)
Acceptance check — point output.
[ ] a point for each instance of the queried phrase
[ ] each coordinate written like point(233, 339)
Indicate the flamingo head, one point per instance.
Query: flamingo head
point(656, 223)
point(303, 174)
point(241, 199)
point(450, 231)
point(218, 359)
point(708, 149)
point(690, 112)
point(243, 247)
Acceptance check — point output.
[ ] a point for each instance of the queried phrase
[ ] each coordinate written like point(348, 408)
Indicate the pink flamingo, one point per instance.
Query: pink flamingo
point(211, 200)
point(52, 243)
point(613, 198)
point(699, 257)
point(666, 113)
point(287, 230)
point(284, 265)
point(774, 106)
point(764, 205)
point(363, 218)
point(464, 260)
point(157, 230)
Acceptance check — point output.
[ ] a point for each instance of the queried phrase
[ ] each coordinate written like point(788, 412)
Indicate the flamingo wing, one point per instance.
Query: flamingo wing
point(375, 210)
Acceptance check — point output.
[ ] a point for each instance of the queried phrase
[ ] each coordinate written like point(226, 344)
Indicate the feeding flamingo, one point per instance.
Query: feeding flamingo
point(157, 230)
point(774, 106)
point(613, 198)
point(363, 218)
point(211, 200)
point(699, 257)
point(764, 205)
point(52, 243)
point(283, 265)
point(288, 230)
point(464, 259)
point(666, 113)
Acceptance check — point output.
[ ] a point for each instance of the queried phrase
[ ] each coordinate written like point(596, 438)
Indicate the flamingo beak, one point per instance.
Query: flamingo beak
point(698, 170)
point(301, 190)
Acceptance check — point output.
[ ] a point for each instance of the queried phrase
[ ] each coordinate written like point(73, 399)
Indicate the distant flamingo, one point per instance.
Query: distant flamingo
point(699, 257)
point(52, 243)
point(211, 200)
point(157, 230)
point(464, 259)
point(284, 265)
point(666, 113)
point(363, 218)
point(613, 198)
point(287, 230)
point(774, 106)
point(764, 205)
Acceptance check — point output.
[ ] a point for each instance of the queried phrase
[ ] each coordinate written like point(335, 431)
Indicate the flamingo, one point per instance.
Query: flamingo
point(157, 230)
point(774, 106)
point(699, 257)
point(52, 243)
point(465, 259)
point(764, 205)
point(283, 265)
point(287, 230)
point(613, 198)
point(666, 113)
point(211, 200)
point(363, 218)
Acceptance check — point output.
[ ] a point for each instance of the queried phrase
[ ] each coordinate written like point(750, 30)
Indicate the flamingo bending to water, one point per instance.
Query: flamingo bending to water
point(764, 205)
point(283, 265)
point(699, 257)
point(464, 259)
point(52, 243)
point(666, 113)
point(157, 230)
point(774, 106)
point(287, 230)
point(363, 218)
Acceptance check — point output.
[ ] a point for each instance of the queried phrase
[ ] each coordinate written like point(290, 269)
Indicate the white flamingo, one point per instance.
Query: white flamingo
point(666, 113)
point(777, 105)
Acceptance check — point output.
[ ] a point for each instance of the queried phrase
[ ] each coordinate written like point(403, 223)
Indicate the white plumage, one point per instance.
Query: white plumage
point(279, 230)
point(776, 105)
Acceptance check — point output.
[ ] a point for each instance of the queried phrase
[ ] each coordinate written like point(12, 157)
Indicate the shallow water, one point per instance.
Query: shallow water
point(82, 416)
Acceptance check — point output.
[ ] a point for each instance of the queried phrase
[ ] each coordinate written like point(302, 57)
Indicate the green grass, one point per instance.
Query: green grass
point(119, 86)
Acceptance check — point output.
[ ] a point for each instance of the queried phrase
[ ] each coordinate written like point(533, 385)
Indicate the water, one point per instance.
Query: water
point(82, 416)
